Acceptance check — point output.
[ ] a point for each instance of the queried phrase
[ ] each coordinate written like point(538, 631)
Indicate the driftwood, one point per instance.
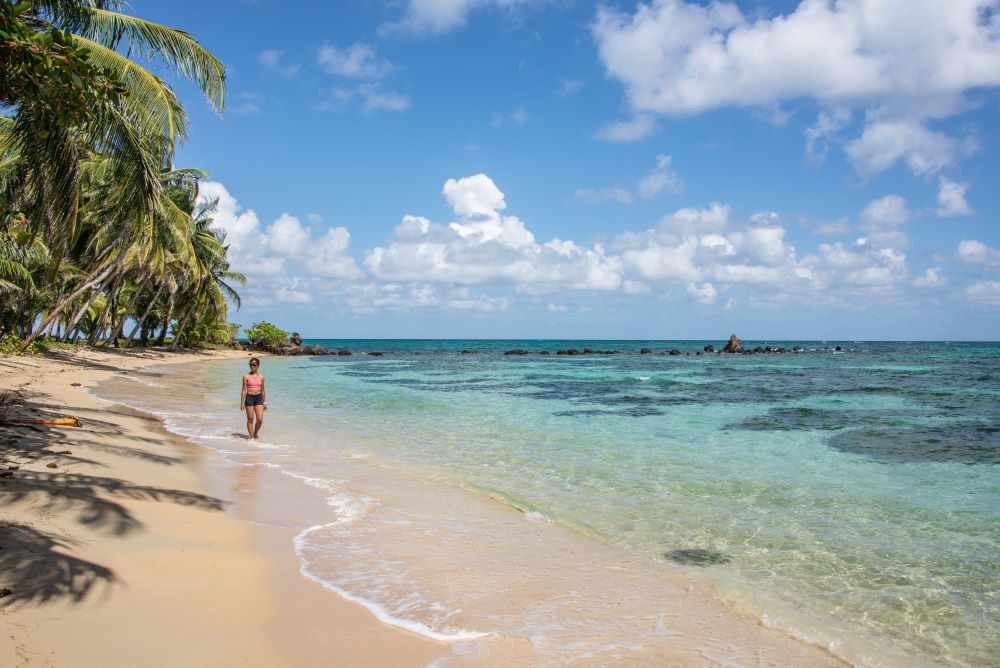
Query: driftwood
point(8, 399)
point(62, 422)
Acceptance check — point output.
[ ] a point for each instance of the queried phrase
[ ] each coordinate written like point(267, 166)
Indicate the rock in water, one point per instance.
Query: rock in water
point(709, 348)
point(295, 339)
point(697, 557)
point(734, 345)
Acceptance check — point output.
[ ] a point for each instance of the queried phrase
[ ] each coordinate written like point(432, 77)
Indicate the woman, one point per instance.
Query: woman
point(253, 397)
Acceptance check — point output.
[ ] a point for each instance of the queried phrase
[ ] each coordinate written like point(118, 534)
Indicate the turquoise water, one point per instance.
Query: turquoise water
point(849, 497)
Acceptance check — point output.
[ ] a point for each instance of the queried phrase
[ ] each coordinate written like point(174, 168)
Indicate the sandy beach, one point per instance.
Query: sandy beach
point(114, 552)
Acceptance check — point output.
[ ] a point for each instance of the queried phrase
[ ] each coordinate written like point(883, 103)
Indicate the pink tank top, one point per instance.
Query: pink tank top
point(254, 382)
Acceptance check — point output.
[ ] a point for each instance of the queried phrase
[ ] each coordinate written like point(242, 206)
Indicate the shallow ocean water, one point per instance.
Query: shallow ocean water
point(851, 498)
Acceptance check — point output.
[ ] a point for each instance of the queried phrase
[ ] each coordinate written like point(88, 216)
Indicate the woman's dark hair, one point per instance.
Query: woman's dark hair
point(254, 360)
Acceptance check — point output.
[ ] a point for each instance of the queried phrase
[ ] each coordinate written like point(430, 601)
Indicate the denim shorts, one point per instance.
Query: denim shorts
point(254, 400)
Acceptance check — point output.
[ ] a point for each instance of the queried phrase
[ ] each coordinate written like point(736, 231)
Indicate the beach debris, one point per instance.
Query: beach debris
point(52, 465)
point(76, 384)
point(4, 591)
point(13, 467)
point(61, 422)
point(6, 474)
point(697, 557)
point(734, 345)
point(63, 452)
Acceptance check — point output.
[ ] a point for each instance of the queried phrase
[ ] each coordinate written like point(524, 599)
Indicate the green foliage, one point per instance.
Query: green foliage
point(265, 335)
point(48, 70)
point(10, 344)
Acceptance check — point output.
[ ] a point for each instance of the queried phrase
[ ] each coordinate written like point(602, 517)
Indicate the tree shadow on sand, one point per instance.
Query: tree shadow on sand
point(36, 566)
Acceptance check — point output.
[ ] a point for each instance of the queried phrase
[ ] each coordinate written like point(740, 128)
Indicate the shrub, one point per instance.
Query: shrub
point(10, 344)
point(265, 335)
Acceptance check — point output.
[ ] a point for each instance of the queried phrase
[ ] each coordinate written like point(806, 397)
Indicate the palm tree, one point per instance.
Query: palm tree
point(126, 140)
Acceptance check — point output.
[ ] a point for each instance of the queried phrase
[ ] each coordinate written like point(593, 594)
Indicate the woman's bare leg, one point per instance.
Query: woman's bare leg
point(250, 421)
point(260, 419)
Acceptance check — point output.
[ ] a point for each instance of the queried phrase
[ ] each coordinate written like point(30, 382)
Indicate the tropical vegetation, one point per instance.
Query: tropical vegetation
point(101, 237)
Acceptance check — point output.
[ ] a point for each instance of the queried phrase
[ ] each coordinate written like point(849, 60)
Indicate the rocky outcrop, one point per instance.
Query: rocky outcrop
point(518, 351)
point(734, 345)
point(295, 339)
point(709, 348)
point(646, 351)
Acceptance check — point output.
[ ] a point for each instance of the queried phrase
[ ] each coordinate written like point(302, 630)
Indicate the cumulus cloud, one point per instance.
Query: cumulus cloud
point(485, 246)
point(951, 199)
point(974, 251)
point(888, 210)
point(884, 143)
point(910, 61)
point(704, 293)
point(986, 293)
point(257, 251)
point(357, 61)
point(931, 278)
point(272, 59)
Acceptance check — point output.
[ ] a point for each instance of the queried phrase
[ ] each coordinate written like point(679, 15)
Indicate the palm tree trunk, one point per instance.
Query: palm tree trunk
point(162, 338)
point(180, 326)
point(92, 280)
point(145, 314)
point(72, 326)
point(131, 304)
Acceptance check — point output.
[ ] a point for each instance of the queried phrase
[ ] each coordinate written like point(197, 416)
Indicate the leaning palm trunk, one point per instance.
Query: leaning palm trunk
point(145, 314)
point(162, 338)
point(119, 328)
point(57, 310)
point(180, 326)
point(75, 320)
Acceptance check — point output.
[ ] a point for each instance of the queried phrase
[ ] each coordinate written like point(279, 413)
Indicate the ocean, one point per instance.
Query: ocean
point(595, 509)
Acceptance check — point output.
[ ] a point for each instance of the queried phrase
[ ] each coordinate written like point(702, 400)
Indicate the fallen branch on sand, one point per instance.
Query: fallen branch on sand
point(8, 399)
point(62, 422)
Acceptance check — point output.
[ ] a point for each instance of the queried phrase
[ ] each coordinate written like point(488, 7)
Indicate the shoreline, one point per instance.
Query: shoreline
point(121, 533)
point(270, 486)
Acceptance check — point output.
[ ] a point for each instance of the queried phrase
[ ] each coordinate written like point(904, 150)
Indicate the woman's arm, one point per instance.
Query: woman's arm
point(243, 393)
point(263, 393)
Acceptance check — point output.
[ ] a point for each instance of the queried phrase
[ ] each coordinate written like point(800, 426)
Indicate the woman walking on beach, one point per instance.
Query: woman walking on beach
point(253, 397)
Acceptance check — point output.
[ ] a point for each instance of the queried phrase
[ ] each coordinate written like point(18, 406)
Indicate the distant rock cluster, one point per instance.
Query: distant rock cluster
point(734, 346)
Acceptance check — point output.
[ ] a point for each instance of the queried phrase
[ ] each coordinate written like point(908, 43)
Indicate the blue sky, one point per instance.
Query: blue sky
point(561, 168)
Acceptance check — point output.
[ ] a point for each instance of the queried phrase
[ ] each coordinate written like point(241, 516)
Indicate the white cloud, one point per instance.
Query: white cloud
point(888, 210)
point(908, 61)
point(931, 278)
point(485, 246)
point(705, 293)
point(260, 252)
point(272, 60)
point(436, 17)
point(884, 143)
point(682, 57)
point(951, 199)
point(357, 61)
point(986, 293)
point(518, 116)
point(556, 308)
point(640, 127)
point(973, 251)
point(661, 179)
